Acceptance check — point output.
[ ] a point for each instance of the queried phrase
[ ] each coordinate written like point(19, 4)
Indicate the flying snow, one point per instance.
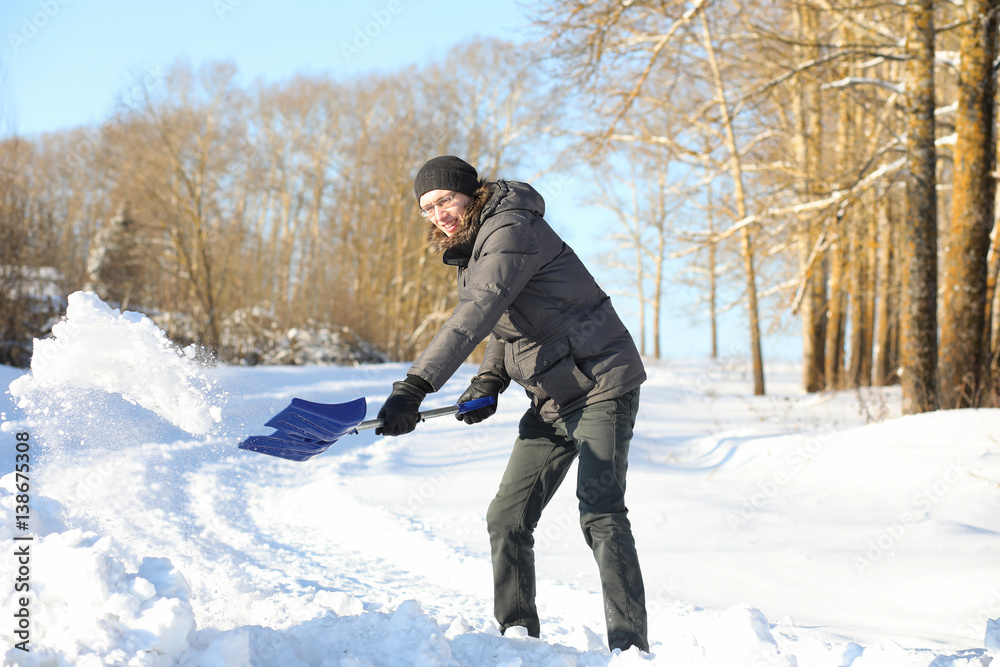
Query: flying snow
point(95, 347)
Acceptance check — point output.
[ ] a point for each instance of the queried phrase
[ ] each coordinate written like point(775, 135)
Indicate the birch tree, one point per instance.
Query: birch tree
point(643, 207)
point(742, 211)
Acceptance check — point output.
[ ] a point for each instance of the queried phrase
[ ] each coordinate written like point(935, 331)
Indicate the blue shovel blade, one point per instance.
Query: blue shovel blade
point(320, 421)
point(306, 429)
point(266, 445)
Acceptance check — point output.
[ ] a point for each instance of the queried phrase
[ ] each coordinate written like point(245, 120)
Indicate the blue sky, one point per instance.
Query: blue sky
point(63, 63)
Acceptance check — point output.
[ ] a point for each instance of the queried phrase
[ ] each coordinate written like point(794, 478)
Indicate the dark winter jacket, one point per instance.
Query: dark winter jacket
point(551, 328)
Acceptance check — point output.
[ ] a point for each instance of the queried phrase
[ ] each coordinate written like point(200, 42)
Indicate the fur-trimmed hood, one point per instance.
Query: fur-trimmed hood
point(491, 198)
point(469, 226)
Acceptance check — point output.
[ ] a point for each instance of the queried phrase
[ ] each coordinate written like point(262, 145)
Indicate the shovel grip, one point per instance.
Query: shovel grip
point(457, 409)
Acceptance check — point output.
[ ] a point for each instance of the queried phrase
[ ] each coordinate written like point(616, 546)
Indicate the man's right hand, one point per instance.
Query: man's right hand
point(401, 411)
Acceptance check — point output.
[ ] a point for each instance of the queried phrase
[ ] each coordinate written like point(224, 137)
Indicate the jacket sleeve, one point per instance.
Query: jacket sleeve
point(493, 360)
point(507, 261)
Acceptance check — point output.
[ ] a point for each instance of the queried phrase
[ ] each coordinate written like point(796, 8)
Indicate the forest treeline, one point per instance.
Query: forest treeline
point(837, 159)
point(232, 214)
point(833, 161)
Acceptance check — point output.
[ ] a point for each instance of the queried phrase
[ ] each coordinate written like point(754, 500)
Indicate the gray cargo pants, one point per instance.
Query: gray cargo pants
point(599, 434)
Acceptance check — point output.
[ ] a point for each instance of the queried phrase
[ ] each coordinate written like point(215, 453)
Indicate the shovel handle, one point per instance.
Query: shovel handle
point(457, 409)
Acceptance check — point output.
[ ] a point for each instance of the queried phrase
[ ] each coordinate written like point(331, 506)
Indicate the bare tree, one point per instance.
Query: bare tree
point(742, 212)
point(965, 266)
point(886, 292)
point(633, 58)
point(644, 208)
point(807, 142)
point(27, 254)
point(918, 331)
point(176, 148)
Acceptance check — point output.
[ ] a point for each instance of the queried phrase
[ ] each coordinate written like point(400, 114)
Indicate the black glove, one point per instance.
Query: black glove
point(400, 412)
point(486, 384)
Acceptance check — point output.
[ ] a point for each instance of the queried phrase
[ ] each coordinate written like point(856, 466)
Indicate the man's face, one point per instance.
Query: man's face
point(445, 209)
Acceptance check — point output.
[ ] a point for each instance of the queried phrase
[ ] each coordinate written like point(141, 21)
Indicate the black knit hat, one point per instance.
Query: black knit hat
point(446, 172)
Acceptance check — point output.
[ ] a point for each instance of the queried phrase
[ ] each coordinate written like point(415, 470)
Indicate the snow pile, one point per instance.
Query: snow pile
point(742, 636)
point(405, 636)
point(84, 607)
point(97, 348)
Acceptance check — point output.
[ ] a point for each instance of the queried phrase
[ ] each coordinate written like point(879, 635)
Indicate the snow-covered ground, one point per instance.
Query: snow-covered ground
point(785, 530)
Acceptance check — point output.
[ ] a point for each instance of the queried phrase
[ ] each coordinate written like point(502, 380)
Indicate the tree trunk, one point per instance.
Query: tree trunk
point(661, 255)
point(918, 322)
point(713, 314)
point(839, 230)
point(640, 263)
point(871, 262)
point(739, 194)
point(658, 298)
point(965, 267)
point(834, 358)
point(883, 372)
point(992, 317)
point(859, 295)
point(808, 133)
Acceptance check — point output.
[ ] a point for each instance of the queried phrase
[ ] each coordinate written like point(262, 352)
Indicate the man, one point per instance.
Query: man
point(554, 331)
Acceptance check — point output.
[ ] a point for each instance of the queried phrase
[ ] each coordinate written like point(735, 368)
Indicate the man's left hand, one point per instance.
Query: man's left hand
point(486, 384)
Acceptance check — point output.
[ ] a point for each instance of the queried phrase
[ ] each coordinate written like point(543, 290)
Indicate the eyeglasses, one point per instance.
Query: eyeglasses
point(444, 202)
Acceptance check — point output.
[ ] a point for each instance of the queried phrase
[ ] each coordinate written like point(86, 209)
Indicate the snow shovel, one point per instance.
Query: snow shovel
point(306, 429)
